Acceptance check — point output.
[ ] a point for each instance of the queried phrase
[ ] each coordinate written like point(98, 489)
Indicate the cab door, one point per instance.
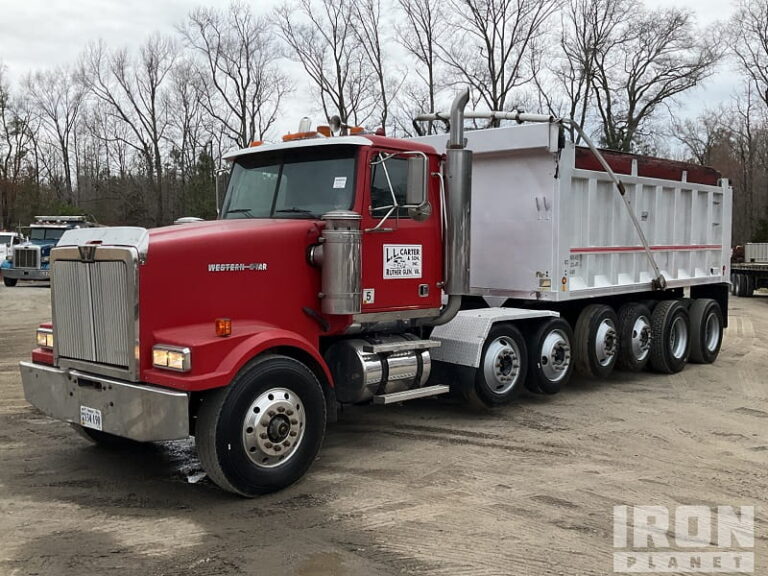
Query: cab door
point(402, 250)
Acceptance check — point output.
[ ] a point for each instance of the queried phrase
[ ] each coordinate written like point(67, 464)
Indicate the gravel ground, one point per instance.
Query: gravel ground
point(424, 488)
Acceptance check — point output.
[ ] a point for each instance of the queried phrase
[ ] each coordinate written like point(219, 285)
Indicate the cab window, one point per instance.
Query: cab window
point(381, 194)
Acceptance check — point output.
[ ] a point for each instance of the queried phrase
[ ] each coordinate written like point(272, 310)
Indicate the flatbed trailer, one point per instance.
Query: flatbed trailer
point(752, 273)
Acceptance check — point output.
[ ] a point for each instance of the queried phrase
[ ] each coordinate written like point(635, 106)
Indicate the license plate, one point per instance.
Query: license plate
point(90, 417)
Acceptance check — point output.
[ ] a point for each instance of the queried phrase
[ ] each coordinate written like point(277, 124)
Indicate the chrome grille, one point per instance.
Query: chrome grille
point(26, 257)
point(94, 311)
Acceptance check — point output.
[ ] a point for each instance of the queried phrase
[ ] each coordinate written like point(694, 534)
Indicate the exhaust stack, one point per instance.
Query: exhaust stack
point(458, 200)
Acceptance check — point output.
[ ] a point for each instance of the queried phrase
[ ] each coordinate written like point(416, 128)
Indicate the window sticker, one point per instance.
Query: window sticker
point(369, 296)
point(402, 261)
point(340, 182)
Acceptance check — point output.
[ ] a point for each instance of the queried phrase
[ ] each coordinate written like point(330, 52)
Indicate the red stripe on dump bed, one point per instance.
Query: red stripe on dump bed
point(598, 249)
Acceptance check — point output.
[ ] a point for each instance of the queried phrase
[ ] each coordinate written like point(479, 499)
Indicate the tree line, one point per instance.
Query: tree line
point(134, 136)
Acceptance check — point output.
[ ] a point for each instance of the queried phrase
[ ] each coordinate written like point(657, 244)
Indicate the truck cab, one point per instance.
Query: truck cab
point(30, 259)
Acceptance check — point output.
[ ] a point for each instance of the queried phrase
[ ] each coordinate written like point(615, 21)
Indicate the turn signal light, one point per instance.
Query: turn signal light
point(45, 338)
point(223, 326)
point(171, 358)
point(255, 143)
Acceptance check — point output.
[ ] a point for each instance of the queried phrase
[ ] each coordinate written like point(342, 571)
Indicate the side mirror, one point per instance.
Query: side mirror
point(416, 192)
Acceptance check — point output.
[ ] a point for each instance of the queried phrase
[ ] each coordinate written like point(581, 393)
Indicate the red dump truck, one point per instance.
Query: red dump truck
point(357, 268)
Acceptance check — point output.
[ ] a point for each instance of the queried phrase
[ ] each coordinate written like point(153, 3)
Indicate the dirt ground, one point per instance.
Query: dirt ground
point(423, 488)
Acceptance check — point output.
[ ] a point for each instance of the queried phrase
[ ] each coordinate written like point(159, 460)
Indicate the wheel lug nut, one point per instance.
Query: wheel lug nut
point(271, 413)
point(286, 444)
point(268, 444)
point(289, 412)
point(263, 436)
point(293, 433)
point(265, 422)
point(277, 448)
point(281, 409)
point(294, 421)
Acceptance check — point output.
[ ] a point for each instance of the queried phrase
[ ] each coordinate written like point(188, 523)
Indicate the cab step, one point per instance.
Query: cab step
point(425, 392)
point(403, 346)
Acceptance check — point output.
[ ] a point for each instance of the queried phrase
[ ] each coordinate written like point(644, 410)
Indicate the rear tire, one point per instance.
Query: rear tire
point(10, 282)
point(262, 432)
point(550, 359)
point(596, 338)
point(503, 367)
point(634, 337)
point(670, 337)
point(706, 330)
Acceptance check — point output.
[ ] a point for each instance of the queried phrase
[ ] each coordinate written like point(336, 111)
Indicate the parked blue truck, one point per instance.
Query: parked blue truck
point(30, 260)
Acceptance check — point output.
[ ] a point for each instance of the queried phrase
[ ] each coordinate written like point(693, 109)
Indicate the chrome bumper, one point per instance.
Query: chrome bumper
point(27, 273)
point(142, 413)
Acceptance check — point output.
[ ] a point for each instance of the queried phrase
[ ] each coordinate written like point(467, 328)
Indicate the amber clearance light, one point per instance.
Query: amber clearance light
point(223, 326)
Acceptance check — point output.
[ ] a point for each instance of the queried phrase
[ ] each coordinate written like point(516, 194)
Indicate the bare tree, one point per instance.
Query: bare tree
point(319, 35)
point(368, 29)
point(420, 34)
point(490, 40)
point(134, 89)
point(749, 26)
point(655, 55)
point(15, 146)
point(57, 97)
point(238, 54)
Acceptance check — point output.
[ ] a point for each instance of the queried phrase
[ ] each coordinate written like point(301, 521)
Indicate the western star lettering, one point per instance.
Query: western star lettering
point(238, 267)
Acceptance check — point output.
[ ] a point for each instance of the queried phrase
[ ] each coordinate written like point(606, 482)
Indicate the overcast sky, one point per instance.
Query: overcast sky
point(36, 34)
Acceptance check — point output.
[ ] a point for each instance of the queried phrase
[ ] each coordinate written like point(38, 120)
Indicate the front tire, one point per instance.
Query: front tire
point(263, 431)
point(10, 282)
point(670, 337)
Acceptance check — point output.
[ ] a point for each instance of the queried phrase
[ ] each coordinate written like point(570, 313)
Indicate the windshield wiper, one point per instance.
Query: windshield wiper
point(296, 211)
point(246, 211)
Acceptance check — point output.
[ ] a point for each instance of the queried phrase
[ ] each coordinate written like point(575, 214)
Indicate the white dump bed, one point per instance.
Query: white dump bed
point(544, 230)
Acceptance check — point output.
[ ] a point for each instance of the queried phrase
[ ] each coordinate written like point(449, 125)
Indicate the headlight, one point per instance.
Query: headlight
point(45, 338)
point(171, 358)
point(45, 259)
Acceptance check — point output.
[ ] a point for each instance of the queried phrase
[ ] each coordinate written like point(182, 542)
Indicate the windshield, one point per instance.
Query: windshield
point(298, 183)
point(46, 233)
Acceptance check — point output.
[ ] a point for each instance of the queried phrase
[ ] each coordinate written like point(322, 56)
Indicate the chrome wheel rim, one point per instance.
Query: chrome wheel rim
point(712, 332)
point(501, 367)
point(605, 342)
point(641, 338)
point(678, 337)
point(273, 427)
point(555, 357)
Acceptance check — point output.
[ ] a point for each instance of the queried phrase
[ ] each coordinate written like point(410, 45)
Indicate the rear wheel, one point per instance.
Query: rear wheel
point(10, 282)
point(262, 432)
point(670, 337)
point(706, 330)
point(503, 367)
point(596, 341)
point(550, 361)
point(634, 337)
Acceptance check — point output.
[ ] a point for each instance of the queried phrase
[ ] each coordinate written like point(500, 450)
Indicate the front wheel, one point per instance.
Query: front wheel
point(262, 432)
point(10, 282)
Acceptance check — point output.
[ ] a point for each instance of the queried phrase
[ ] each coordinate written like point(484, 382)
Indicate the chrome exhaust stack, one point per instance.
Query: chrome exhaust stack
point(458, 200)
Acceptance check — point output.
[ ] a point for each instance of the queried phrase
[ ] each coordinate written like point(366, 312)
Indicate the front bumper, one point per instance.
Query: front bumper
point(27, 273)
point(135, 411)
